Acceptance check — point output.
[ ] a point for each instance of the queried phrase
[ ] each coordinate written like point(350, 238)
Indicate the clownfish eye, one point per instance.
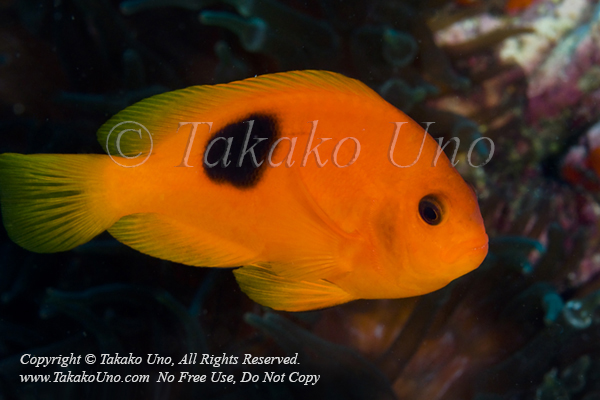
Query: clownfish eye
point(430, 210)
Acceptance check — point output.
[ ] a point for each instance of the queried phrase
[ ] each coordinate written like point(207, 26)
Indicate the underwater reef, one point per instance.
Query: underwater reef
point(524, 325)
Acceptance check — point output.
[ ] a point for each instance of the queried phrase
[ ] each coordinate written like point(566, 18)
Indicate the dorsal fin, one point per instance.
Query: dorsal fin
point(162, 113)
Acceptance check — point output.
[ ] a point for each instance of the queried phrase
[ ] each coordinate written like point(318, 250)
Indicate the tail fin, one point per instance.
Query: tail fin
point(53, 202)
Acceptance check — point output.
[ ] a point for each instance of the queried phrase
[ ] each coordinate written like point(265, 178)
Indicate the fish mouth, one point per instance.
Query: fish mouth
point(475, 249)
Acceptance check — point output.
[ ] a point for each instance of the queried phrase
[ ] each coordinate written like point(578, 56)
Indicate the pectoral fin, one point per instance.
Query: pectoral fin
point(265, 287)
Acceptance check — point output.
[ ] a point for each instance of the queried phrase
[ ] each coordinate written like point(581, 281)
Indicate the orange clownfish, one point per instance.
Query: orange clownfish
point(515, 6)
point(510, 6)
point(292, 176)
point(594, 160)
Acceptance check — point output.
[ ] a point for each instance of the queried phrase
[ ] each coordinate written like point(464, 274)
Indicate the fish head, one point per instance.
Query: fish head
point(448, 237)
point(428, 233)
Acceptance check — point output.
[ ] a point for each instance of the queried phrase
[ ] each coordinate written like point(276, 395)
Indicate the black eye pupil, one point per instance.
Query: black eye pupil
point(430, 212)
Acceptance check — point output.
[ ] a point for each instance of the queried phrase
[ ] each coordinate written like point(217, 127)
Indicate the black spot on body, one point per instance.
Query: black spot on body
point(248, 174)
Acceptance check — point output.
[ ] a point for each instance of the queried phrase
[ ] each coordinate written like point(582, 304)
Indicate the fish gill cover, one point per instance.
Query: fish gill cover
point(524, 325)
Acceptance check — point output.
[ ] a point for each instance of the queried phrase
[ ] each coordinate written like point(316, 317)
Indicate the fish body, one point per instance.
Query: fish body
point(310, 228)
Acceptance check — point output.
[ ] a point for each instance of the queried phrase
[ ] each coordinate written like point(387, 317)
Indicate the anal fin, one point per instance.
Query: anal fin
point(163, 237)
